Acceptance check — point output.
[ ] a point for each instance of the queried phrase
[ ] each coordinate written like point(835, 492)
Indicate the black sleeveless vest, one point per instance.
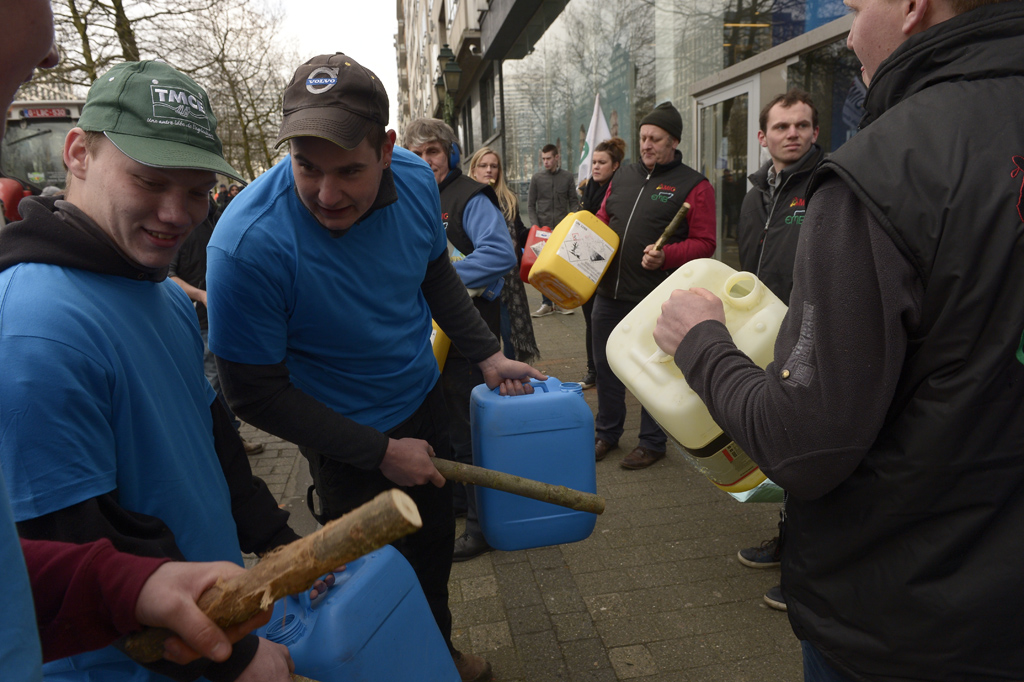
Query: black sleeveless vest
point(456, 191)
point(913, 568)
point(640, 206)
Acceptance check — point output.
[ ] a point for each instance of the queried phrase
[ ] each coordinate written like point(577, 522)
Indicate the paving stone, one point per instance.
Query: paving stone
point(477, 588)
point(632, 662)
point(573, 626)
point(490, 636)
point(584, 655)
point(528, 619)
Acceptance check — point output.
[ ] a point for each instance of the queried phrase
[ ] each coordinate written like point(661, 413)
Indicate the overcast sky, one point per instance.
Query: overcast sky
point(362, 29)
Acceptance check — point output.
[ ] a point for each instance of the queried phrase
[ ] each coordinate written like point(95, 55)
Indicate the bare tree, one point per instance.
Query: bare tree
point(232, 50)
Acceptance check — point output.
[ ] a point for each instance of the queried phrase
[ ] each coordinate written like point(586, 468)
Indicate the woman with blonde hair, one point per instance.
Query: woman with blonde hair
point(517, 338)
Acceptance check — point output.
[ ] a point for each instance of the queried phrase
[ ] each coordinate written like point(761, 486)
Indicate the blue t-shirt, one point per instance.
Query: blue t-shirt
point(344, 311)
point(102, 389)
point(21, 657)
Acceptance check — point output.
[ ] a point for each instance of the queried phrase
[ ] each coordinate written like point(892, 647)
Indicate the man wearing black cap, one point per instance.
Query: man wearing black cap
point(323, 276)
point(644, 198)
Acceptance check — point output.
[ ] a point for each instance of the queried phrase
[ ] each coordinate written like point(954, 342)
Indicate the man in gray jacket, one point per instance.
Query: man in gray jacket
point(552, 197)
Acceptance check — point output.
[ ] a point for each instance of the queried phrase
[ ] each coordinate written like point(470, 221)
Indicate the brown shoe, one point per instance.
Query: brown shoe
point(252, 448)
point(601, 449)
point(472, 668)
point(641, 458)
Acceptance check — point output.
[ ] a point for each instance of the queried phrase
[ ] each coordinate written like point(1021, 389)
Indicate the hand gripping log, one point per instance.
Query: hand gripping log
point(294, 567)
point(673, 225)
point(517, 485)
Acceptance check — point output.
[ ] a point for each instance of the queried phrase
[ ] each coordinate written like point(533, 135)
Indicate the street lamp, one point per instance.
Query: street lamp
point(447, 83)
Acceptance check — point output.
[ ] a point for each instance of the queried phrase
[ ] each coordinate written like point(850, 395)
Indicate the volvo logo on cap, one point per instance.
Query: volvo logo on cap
point(321, 79)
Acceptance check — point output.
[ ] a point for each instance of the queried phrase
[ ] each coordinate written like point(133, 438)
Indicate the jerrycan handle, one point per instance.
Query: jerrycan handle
point(537, 386)
point(741, 291)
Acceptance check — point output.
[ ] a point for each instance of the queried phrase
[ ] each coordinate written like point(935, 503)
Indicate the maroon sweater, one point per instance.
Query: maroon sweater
point(84, 595)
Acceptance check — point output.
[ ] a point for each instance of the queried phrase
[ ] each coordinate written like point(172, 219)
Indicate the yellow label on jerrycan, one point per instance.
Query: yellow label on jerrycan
point(440, 343)
point(574, 259)
point(753, 315)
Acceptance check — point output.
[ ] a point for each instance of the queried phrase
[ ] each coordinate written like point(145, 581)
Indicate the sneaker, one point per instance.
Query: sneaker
point(590, 379)
point(252, 448)
point(544, 310)
point(767, 555)
point(775, 599)
point(564, 311)
point(641, 458)
point(472, 668)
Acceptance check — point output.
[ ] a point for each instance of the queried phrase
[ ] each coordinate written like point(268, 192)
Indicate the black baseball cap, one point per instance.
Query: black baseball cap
point(335, 98)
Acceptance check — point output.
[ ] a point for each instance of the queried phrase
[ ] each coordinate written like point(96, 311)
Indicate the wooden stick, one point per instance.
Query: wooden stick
point(517, 485)
point(295, 567)
point(677, 220)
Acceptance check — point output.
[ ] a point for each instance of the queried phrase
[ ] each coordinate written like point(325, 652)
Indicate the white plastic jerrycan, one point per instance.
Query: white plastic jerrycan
point(753, 315)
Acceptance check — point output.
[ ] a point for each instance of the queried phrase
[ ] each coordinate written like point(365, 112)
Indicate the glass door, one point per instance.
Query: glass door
point(727, 151)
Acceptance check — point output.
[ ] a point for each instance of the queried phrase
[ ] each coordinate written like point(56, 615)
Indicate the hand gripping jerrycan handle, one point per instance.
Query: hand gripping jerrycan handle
point(542, 386)
point(742, 291)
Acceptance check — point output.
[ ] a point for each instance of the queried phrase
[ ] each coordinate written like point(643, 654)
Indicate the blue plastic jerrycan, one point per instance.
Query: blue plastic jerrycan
point(373, 624)
point(547, 436)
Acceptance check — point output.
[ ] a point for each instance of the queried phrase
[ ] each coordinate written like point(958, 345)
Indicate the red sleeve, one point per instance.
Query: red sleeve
point(602, 213)
point(85, 595)
point(700, 242)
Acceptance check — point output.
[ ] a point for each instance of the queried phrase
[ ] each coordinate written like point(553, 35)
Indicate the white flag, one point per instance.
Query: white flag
point(596, 134)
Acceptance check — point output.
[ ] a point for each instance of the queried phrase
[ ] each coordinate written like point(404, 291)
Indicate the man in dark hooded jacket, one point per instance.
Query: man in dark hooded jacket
point(894, 411)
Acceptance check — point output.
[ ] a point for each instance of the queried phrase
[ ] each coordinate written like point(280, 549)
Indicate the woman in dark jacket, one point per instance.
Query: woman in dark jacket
point(605, 161)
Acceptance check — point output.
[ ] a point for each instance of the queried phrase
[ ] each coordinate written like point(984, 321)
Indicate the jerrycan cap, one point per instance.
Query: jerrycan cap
point(572, 387)
point(742, 291)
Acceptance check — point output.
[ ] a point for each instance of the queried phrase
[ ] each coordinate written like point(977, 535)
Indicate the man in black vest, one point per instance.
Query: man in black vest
point(894, 411)
point(482, 253)
point(769, 230)
point(643, 199)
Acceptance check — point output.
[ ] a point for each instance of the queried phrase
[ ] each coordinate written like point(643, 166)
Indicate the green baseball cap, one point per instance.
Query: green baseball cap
point(156, 116)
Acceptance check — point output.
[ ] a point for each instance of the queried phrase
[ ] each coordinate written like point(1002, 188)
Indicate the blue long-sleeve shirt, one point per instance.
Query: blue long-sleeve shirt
point(493, 253)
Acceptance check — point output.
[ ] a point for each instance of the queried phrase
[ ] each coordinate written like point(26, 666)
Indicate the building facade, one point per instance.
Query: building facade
point(530, 70)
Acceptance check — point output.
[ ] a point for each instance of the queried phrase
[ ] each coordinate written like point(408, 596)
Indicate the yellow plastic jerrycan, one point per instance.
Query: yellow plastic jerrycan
point(574, 259)
point(440, 343)
point(753, 315)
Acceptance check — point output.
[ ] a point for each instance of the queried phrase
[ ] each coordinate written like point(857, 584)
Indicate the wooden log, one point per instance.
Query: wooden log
point(517, 485)
point(295, 567)
point(673, 225)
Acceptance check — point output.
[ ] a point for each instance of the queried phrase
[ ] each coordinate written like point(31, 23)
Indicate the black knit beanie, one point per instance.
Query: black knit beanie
point(666, 117)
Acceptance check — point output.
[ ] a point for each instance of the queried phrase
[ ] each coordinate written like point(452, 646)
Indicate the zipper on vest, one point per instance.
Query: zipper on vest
point(618, 275)
point(764, 239)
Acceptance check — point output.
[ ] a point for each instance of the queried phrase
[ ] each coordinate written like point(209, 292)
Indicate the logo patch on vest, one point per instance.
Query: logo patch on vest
point(799, 201)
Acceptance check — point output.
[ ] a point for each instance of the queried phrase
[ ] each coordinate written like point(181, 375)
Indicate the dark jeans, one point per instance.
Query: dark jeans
point(817, 669)
point(588, 311)
point(342, 487)
point(506, 334)
point(611, 393)
point(459, 378)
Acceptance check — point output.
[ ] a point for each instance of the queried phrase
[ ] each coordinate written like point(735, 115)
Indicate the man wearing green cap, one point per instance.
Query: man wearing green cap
point(110, 429)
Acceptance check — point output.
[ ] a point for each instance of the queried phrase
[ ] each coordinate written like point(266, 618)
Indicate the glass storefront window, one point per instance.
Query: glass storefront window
point(832, 75)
